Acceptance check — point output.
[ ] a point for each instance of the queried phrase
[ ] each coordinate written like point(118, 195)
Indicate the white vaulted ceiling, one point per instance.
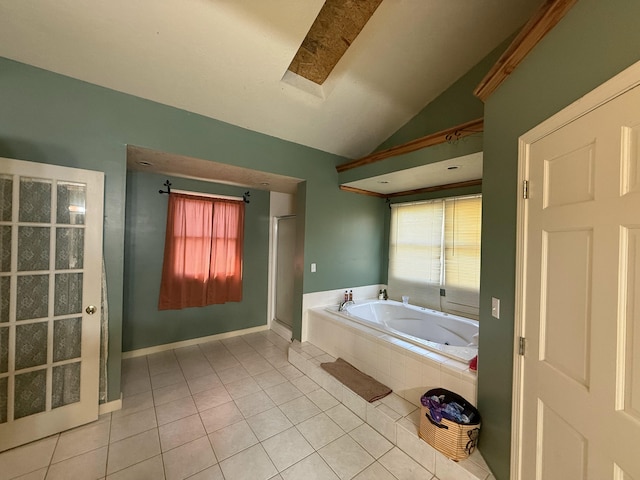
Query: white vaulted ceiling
point(226, 59)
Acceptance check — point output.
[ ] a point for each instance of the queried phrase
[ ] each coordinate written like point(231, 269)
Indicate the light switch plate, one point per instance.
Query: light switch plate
point(495, 307)
point(313, 268)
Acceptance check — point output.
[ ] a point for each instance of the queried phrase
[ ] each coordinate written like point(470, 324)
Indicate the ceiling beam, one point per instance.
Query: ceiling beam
point(436, 188)
point(443, 136)
point(549, 14)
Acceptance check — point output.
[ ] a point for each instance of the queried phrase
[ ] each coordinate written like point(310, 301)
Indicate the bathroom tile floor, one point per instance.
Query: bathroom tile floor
point(231, 409)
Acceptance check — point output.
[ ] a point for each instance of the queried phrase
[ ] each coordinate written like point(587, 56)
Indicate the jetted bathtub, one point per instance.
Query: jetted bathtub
point(444, 333)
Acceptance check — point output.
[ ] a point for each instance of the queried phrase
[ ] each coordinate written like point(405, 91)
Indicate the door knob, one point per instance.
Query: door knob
point(91, 309)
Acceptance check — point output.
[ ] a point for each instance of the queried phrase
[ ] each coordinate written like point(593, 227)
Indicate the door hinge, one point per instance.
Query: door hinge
point(521, 346)
point(525, 189)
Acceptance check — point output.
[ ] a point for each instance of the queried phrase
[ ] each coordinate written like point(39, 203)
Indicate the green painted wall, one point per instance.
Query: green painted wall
point(454, 106)
point(49, 118)
point(595, 41)
point(143, 324)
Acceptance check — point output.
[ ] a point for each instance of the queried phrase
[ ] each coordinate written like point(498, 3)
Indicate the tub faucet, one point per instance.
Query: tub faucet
point(343, 305)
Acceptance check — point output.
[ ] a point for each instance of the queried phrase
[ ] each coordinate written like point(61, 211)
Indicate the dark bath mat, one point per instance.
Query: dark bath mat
point(367, 387)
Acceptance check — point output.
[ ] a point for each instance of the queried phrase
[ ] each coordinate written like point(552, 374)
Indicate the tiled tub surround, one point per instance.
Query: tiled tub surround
point(407, 369)
point(393, 417)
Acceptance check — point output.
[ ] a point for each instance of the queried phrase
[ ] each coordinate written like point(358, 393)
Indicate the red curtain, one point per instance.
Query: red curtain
point(202, 252)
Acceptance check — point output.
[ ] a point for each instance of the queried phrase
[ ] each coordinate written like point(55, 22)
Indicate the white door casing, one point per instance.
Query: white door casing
point(51, 249)
point(576, 410)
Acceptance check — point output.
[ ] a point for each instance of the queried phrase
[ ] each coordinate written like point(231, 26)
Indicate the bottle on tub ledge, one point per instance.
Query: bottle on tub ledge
point(380, 295)
point(351, 295)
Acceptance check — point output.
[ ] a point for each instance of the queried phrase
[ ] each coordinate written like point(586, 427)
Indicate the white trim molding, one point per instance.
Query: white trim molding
point(193, 341)
point(109, 407)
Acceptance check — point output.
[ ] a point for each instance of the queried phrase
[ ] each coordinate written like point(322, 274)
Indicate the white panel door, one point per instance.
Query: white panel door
point(581, 375)
point(50, 277)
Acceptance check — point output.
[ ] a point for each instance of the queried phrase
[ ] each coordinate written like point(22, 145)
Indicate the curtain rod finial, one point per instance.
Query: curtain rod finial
point(168, 185)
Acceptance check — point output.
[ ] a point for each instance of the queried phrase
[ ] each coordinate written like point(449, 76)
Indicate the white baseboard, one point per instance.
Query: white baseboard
point(281, 330)
point(193, 341)
point(109, 407)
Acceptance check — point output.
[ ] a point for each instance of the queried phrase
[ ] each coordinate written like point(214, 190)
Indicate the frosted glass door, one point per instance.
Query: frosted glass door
point(50, 267)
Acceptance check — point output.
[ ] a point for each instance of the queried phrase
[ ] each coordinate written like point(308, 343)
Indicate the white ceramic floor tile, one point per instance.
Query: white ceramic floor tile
point(290, 372)
point(134, 403)
point(299, 409)
point(167, 378)
point(181, 431)
point(346, 457)
point(184, 384)
point(375, 471)
point(224, 362)
point(374, 443)
point(221, 416)
point(250, 464)
point(162, 362)
point(323, 399)
point(123, 427)
point(270, 378)
point(278, 360)
point(254, 403)
point(37, 475)
point(151, 469)
point(402, 466)
point(135, 386)
point(27, 458)
point(243, 387)
point(197, 369)
point(170, 393)
point(133, 450)
point(206, 382)
point(448, 470)
point(211, 473)
point(269, 423)
point(320, 430)
point(287, 448)
point(88, 466)
point(305, 384)
point(172, 411)
point(312, 467)
point(283, 393)
point(211, 398)
point(233, 373)
point(345, 418)
point(232, 439)
point(188, 459)
point(81, 440)
point(257, 367)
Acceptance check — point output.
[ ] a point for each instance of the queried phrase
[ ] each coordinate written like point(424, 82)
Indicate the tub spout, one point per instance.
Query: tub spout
point(343, 305)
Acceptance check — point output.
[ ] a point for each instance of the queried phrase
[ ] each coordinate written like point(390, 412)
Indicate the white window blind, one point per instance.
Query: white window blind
point(415, 248)
point(434, 245)
point(462, 228)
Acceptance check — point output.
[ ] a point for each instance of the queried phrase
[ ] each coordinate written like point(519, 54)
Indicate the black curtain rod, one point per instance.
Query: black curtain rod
point(245, 195)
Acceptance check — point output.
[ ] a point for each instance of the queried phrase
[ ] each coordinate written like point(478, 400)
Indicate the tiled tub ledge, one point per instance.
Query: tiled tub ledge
point(394, 417)
point(403, 366)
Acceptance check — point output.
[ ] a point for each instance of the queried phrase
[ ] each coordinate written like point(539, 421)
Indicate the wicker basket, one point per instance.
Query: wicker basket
point(455, 441)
